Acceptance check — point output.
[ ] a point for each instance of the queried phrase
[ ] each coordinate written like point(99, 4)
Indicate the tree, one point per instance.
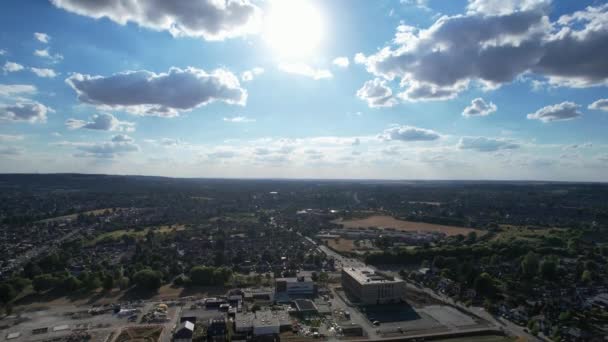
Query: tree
point(201, 275)
point(484, 285)
point(586, 277)
point(108, 282)
point(7, 293)
point(71, 283)
point(147, 279)
point(123, 283)
point(530, 265)
point(548, 268)
point(44, 282)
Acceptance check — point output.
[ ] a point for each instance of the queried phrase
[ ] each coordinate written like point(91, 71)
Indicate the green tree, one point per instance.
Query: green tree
point(548, 268)
point(147, 279)
point(44, 282)
point(530, 265)
point(71, 283)
point(201, 275)
point(108, 282)
point(484, 285)
point(7, 293)
point(587, 276)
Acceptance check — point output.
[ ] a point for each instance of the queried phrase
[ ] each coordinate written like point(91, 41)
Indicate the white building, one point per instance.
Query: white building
point(369, 287)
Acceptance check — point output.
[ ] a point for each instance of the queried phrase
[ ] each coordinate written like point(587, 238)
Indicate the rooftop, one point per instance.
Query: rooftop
point(366, 275)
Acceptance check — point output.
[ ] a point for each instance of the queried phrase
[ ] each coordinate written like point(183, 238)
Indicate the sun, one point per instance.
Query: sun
point(293, 28)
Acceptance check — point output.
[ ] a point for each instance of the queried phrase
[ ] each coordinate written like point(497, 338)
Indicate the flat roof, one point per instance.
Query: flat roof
point(265, 319)
point(305, 305)
point(366, 275)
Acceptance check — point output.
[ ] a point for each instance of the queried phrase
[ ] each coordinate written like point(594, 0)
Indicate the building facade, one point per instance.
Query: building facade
point(369, 287)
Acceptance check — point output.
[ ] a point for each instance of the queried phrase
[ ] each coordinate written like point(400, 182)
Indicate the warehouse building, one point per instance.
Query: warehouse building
point(369, 287)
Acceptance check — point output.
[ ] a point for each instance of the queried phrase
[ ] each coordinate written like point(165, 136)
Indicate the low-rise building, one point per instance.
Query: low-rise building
point(369, 287)
point(295, 286)
point(184, 332)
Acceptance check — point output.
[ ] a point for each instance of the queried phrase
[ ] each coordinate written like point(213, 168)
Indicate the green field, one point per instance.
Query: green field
point(138, 234)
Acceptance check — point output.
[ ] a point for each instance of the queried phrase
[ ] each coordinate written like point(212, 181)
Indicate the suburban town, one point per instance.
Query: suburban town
point(284, 269)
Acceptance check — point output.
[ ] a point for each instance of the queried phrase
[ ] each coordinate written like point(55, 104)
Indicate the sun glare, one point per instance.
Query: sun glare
point(293, 28)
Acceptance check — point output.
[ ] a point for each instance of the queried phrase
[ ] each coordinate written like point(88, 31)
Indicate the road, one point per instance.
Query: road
point(509, 327)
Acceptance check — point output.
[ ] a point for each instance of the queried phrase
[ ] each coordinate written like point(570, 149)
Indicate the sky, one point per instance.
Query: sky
point(357, 89)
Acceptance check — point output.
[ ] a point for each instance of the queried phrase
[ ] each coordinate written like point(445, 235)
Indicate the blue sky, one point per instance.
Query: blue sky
point(410, 89)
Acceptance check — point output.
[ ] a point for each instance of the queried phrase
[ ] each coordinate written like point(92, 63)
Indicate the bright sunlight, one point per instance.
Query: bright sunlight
point(293, 28)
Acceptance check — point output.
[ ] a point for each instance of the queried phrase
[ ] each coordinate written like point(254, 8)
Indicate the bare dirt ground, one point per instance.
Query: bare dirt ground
point(383, 222)
point(340, 245)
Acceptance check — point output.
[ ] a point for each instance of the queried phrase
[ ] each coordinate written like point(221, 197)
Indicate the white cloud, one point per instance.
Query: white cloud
point(409, 133)
point(44, 53)
point(119, 145)
point(221, 155)
point(558, 112)
point(166, 94)
point(8, 90)
point(32, 112)
point(494, 43)
point(3, 52)
point(12, 67)
point(102, 122)
point(10, 151)
point(377, 93)
point(239, 119)
point(207, 19)
point(601, 104)
point(342, 62)
point(305, 70)
point(479, 107)
point(249, 75)
point(420, 91)
point(44, 72)
point(10, 137)
point(483, 144)
point(504, 7)
point(422, 4)
point(42, 37)
point(360, 58)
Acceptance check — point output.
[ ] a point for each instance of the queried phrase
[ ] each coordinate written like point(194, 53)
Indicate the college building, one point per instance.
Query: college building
point(368, 286)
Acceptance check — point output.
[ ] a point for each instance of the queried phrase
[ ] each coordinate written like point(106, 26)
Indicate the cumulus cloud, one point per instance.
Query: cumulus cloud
point(10, 150)
point(44, 53)
point(483, 144)
point(601, 104)
point(376, 93)
point(558, 112)
point(44, 72)
point(2, 52)
point(32, 112)
point(9, 90)
point(207, 19)
point(239, 119)
point(42, 37)
point(120, 144)
point(102, 122)
point(342, 62)
point(12, 67)
point(479, 107)
point(409, 133)
point(10, 137)
point(305, 70)
point(221, 155)
point(492, 44)
point(165, 94)
point(249, 75)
